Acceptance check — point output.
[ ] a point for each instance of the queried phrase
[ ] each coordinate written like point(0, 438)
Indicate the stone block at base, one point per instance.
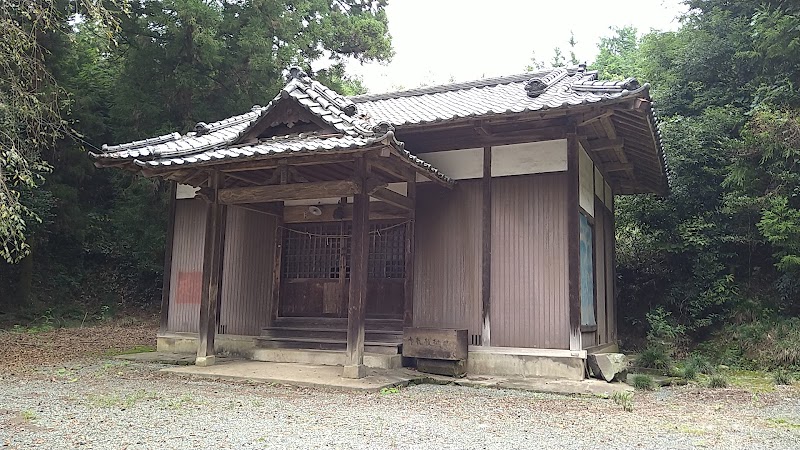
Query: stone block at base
point(456, 369)
point(354, 371)
point(205, 361)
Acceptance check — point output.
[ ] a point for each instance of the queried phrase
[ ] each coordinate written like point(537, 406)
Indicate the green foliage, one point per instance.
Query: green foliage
point(723, 246)
point(654, 357)
point(718, 381)
point(643, 382)
point(783, 377)
point(699, 364)
point(624, 399)
point(689, 372)
point(87, 242)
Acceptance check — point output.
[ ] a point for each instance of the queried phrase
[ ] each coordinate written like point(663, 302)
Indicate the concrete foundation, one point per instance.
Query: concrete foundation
point(525, 362)
point(324, 358)
point(355, 371)
point(245, 347)
point(223, 343)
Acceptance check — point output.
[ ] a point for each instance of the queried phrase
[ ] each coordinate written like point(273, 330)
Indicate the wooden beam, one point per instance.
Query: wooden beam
point(486, 247)
point(408, 283)
point(393, 198)
point(589, 118)
point(168, 244)
point(617, 167)
point(359, 251)
point(283, 192)
point(573, 243)
point(212, 274)
point(596, 145)
point(377, 211)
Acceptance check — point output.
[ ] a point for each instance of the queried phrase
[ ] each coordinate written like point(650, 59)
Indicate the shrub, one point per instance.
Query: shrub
point(624, 399)
point(643, 382)
point(690, 372)
point(718, 381)
point(782, 377)
point(654, 357)
point(700, 364)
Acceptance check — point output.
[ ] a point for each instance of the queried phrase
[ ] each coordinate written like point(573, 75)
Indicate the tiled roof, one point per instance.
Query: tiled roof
point(561, 88)
point(286, 145)
point(364, 120)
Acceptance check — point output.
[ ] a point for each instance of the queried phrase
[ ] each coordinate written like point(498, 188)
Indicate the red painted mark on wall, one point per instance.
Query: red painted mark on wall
point(190, 286)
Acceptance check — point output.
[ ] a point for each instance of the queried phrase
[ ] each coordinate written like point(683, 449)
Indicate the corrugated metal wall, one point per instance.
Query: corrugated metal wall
point(187, 265)
point(247, 272)
point(529, 295)
point(447, 260)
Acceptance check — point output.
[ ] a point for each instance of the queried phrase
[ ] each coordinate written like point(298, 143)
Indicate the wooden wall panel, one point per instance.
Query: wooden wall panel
point(187, 265)
point(529, 294)
point(447, 264)
point(247, 272)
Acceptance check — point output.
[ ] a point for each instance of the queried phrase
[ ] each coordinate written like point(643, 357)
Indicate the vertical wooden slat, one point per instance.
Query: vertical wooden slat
point(359, 254)
point(408, 285)
point(573, 242)
point(212, 274)
point(168, 249)
point(486, 249)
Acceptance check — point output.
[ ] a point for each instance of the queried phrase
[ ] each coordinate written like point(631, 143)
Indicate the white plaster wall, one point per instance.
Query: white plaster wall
point(186, 191)
point(531, 157)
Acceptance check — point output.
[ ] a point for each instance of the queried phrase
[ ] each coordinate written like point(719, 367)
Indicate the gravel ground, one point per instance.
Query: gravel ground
point(104, 404)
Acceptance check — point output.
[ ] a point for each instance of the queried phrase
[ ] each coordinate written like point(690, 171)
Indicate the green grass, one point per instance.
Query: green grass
point(643, 382)
point(624, 399)
point(782, 377)
point(390, 390)
point(783, 423)
point(718, 381)
point(29, 415)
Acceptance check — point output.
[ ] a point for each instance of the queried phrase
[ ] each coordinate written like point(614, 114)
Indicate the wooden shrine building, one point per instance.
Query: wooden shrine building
point(318, 226)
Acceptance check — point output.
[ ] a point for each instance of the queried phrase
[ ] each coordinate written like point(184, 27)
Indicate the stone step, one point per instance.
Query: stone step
point(386, 348)
point(337, 323)
point(330, 333)
point(324, 357)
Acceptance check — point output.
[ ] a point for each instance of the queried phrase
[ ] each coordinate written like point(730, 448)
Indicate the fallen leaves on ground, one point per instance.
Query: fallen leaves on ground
point(22, 350)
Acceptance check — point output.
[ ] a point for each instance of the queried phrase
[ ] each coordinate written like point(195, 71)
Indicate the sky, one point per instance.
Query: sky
point(436, 41)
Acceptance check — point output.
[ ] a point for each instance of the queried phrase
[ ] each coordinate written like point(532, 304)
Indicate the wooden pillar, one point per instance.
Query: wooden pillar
point(573, 242)
point(359, 250)
point(212, 273)
point(408, 285)
point(277, 268)
point(168, 244)
point(486, 247)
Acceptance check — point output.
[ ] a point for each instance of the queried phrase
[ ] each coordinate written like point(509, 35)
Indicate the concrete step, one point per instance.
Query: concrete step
point(338, 323)
point(386, 348)
point(324, 357)
point(330, 333)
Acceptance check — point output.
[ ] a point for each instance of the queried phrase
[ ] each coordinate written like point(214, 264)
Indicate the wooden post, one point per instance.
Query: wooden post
point(212, 273)
point(359, 249)
point(408, 284)
point(573, 242)
point(486, 251)
point(277, 269)
point(168, 244)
